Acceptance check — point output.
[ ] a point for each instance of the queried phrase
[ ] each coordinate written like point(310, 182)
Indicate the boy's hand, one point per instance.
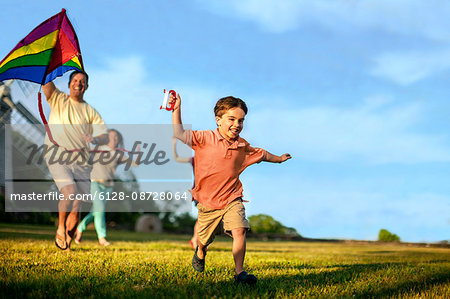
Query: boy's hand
point(276, 159)
point(285, 157)
point(177, 101)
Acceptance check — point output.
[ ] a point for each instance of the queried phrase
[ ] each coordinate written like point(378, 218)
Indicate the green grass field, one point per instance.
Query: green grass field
point(145, 265)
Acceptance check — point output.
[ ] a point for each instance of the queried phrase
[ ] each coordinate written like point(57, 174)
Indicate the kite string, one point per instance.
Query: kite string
point(44, 120)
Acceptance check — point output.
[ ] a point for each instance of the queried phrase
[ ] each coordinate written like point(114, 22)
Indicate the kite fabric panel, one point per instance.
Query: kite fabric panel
point(49, 51)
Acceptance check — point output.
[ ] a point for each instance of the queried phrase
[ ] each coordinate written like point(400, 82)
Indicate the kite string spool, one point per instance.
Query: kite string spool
point(166, 100)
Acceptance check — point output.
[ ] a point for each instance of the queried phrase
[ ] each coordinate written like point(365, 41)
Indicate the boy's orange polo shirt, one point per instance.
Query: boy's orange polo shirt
point(218, 164)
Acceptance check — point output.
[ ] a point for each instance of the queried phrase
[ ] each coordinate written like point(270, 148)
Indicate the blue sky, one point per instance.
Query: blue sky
point(355, 91)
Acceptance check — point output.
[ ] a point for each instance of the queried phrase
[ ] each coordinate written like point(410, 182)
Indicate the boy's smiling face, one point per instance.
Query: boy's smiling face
point(231, 123)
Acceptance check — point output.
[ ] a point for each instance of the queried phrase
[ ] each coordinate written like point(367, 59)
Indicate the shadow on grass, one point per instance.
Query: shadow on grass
point(352, 268)
point(216, 248)
point(298, 285)
point(345, 281)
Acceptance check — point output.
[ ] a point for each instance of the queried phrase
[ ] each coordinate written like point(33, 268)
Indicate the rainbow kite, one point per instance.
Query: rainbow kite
point(49, 51)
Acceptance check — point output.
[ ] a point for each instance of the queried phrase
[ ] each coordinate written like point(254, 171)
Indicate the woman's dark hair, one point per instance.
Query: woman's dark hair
point(119, 137)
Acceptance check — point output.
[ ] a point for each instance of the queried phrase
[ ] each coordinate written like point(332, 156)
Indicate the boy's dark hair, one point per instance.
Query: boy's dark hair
point(78, 72)
point(226, 103)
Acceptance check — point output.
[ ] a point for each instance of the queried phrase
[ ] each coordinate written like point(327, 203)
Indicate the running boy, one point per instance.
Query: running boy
point(220, 157)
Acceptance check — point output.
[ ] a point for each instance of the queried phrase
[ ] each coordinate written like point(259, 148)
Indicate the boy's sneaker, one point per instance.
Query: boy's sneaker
point(197, 263)
point(245, 278)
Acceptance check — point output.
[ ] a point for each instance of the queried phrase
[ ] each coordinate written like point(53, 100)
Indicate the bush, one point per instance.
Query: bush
point(386, 236)
point(266, 224)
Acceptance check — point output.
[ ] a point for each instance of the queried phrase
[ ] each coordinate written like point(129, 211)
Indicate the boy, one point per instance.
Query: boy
point(220, 157)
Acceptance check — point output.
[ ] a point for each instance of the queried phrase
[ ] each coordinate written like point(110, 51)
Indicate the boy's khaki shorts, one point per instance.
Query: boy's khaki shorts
point(233, 216)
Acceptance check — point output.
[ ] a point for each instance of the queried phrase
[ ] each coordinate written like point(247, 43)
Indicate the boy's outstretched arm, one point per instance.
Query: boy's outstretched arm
point(178, 130)
point(175, 153)
point(276, 159)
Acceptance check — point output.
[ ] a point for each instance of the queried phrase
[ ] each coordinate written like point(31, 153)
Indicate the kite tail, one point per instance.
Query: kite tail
point(44, 120)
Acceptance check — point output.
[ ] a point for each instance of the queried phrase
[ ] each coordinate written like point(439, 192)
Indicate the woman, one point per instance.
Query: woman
point(102, 183)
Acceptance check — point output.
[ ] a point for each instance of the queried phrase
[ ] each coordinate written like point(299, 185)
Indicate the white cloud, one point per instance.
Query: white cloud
point(374, 133)
point(125, 93)
point(409, 18)
point(407, 68)
point(118, 91)
point(412, 17)
point(273, 16)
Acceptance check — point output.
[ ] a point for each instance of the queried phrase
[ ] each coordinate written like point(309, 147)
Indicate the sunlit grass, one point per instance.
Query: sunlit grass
point(146, 265)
